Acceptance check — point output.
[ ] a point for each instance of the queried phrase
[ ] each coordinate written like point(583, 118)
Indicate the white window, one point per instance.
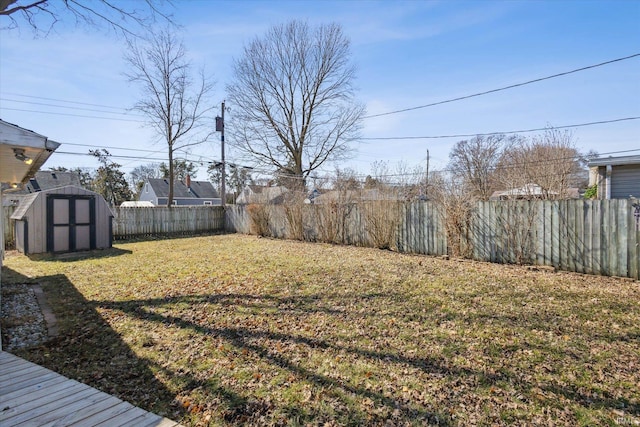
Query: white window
point(175, 202)
point(146, 188)
point(208, 203)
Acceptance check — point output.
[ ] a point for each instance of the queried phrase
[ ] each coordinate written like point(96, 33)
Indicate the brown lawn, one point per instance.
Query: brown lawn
point(240, 330)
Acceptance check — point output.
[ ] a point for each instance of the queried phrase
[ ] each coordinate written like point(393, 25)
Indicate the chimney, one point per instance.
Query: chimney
point(188, 182)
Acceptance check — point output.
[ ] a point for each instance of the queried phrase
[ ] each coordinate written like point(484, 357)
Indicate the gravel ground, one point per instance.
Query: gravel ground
point(23, 324)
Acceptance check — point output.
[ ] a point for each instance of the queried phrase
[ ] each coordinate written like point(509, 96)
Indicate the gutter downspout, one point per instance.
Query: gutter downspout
point(608, 182)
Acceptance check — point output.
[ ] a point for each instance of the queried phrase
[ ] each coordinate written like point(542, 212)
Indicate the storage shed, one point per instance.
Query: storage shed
point(64, 219)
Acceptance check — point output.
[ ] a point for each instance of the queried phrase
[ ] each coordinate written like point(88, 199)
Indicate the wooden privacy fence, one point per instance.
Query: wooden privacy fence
point(585, 236)
point(411, 227)
point(163, 221)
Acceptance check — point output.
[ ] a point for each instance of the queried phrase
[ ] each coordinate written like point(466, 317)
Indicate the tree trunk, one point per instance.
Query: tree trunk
point(170, 199)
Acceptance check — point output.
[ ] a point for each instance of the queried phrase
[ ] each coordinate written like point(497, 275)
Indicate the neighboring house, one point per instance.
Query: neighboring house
point(262, 194)
point(42, 181)
point(533, 192)
point(189, 193)
point(364, 195)
point(616, 177)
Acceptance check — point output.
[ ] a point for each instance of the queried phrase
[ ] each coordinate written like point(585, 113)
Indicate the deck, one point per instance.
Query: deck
point(31, 395)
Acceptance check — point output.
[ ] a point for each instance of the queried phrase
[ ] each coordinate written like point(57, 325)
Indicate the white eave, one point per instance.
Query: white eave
point(33, 145)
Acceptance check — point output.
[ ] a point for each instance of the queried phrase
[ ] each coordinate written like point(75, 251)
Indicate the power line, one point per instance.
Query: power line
point(72, 115)
point(469, 135)
point(68, 107)
point(106, 147)
point(504, 87)
point(63, 100)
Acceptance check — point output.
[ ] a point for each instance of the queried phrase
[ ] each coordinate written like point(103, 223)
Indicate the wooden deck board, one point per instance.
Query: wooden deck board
point(31, 395)
point(37, 378)
point(149, 420)
point(21, 390)
point(33, 392)
point(126, 418)
point(79, 416)
point(103, 416)
point(24, 411)
point(54, 417)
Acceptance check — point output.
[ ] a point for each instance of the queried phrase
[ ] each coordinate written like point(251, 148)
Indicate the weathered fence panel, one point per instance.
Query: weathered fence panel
point(135, 222)
point(585, 236)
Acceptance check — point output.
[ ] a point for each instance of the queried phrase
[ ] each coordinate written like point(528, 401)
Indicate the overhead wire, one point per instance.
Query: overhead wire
point(486, 92)
point(72, 115)
point(63, 100)
point(469, 135)
point(45, 104)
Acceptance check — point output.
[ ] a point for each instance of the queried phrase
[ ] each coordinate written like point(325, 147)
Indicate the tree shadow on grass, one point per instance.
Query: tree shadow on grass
point(91, 351)
point(75, 256)
point(258, 342)
point(245, 340)
point(88, 350)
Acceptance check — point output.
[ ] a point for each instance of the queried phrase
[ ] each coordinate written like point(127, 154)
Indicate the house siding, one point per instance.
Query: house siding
point(625, 181)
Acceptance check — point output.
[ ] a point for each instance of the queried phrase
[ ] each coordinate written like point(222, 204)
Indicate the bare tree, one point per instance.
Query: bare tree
point(123, 17)
point(546, 166)
point(474, 161)
point(140, 173)
point(292, 98)
point(173, 102)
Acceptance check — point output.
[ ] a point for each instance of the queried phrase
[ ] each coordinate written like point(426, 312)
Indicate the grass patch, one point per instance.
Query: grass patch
point(235, 329)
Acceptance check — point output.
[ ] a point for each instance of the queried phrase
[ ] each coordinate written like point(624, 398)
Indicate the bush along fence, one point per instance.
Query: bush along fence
point(163, 221)
point(585, 236)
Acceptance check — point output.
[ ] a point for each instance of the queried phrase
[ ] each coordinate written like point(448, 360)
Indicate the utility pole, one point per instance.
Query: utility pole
point(223, 185)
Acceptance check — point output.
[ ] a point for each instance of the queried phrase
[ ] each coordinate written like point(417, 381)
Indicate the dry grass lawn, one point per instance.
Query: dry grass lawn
point(235, 329)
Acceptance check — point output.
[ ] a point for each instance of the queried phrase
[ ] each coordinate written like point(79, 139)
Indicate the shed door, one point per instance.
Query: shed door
point(70, 223)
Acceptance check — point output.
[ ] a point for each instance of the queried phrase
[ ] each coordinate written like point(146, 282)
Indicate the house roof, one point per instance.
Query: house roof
point(615, 161)
point(369, 194)
point(198, 190)
point(137, 204)
point(532, 190)
point(262, 194)
point(46, 180)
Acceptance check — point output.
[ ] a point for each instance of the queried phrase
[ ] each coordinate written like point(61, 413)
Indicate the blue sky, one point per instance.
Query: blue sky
point(408, 53)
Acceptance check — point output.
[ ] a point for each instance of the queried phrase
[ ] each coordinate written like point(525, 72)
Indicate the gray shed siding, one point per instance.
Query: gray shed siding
point(34, 236)
point(625, 181)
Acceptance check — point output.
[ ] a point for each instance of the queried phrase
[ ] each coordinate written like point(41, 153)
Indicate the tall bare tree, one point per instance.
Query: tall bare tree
point(142, 172)
point(474, 162)
point(546, 165)
point(292, 98)
point(124, 17)
point(173, 102)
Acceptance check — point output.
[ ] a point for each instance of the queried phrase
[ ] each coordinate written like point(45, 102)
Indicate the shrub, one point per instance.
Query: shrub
point(260, 218)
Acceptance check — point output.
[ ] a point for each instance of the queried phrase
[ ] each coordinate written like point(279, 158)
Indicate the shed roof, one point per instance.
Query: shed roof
point(199, 189)
point(22, 209)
